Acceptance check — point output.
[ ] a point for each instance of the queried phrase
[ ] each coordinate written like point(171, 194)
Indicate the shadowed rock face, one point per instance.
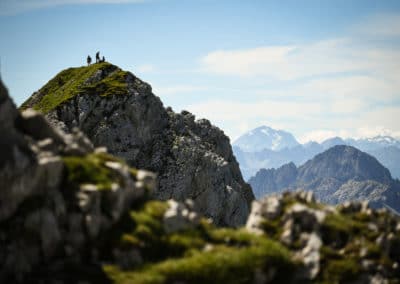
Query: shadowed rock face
point(192, 158)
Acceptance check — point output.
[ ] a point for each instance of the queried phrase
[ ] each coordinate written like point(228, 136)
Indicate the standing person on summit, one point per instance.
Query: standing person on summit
point(89, 60)
point(97, 56)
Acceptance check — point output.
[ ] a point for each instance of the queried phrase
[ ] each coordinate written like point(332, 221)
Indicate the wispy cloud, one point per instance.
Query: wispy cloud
point(146, 68)
point(247, 62)
point(309, 120)
point(12, 7)
point(321, 58)
point(321, 135)
point(237, 117)
point(177, 89)
point(321, 89)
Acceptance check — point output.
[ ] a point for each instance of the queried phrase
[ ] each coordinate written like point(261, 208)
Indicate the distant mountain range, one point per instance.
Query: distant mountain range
point(267, 148)
point(341, 173)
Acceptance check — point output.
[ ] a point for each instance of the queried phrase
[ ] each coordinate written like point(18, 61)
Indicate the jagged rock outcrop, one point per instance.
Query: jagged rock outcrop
point(350, 243)
point(342, 173)
point(58, 194)
point(193, 159)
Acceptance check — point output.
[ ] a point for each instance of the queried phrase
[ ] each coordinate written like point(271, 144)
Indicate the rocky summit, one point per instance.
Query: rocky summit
point(115, 109)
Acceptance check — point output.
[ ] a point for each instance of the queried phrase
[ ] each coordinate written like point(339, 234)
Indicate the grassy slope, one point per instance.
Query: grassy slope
point(73, 81)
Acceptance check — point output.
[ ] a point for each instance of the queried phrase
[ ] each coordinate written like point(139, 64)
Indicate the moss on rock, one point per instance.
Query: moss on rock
point(90, 169)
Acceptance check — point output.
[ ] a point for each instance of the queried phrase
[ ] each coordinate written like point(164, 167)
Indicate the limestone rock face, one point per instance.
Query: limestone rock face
point(193, 159)
point(57, 193)
point(342, 244)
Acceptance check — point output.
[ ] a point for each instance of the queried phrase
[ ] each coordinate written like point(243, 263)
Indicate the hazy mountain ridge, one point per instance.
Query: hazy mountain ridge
point(385, 148)
point(341, 173)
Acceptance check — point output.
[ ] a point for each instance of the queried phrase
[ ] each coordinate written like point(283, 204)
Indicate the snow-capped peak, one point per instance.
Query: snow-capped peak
point(265, 137)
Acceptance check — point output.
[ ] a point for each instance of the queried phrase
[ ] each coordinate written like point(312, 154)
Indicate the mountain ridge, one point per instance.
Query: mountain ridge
point(341, 173)
point(385, 148)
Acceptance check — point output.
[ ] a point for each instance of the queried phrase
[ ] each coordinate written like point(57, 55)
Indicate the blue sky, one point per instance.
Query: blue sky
point(314, 68)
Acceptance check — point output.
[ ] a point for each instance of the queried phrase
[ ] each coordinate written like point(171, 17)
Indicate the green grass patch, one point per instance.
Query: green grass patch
point(232, 257)
point(236, 237)
point(115, 84)
point(73, 81)
point(223, 264)
point(90, 169)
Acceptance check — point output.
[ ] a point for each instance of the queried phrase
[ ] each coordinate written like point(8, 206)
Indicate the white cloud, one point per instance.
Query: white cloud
point(255, 61)
point(347, 106)
point(317, 90)
point(177, 89)
point(236, 117)
point(146, 68)
point(316, 120)
point(321, 58)
point(219, 109)
point(349, 93)
point(365, 132)
point(362, 132)
point(384, 118)
point(12, 7)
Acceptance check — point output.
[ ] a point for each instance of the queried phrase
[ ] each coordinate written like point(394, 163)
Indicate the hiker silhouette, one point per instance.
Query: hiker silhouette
point(97, 56)
point(89, 60)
